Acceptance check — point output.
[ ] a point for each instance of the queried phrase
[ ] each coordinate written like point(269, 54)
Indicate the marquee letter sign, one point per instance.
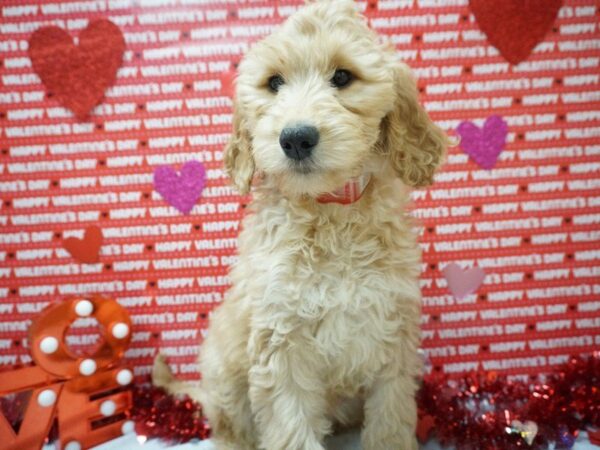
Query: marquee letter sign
point(87, 395)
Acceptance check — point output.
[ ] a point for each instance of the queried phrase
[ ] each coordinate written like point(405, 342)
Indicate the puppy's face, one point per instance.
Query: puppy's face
point(313, 94)
point(312, 101)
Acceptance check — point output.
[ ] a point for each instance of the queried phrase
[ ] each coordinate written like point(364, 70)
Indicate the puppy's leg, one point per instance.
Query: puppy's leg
point(224, 367)
point(391, 415)
point(227, 408)
point(288, 394)
point(391, 407)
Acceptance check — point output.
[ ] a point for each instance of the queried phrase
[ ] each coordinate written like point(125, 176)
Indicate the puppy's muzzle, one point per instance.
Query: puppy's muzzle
point(298, 142)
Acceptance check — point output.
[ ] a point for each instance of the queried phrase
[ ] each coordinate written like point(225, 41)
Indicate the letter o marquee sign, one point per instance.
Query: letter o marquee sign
point(47, 336)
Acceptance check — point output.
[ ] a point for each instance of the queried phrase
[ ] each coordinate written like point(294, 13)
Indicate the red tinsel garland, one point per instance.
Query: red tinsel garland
point(160, 415)
point(490, 412)
point(473, 412)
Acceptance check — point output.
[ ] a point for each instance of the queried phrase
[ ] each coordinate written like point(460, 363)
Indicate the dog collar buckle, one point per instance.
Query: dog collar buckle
point(349, 193)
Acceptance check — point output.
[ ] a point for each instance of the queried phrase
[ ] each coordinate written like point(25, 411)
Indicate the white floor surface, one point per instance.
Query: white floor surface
point(347, 441)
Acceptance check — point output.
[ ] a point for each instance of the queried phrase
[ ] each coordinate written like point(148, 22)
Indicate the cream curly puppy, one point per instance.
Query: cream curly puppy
point(321, 325)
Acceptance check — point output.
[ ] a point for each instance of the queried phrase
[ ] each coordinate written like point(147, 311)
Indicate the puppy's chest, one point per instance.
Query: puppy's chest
point(350, 305)
point(343, 286)
point(311, 270)
point(335, 269)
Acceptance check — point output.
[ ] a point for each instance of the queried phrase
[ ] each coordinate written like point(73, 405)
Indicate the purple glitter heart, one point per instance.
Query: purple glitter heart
point(180, 191)
point(484, 144)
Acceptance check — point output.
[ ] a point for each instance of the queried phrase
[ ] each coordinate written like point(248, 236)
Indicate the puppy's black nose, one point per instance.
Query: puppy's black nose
point(298, 142)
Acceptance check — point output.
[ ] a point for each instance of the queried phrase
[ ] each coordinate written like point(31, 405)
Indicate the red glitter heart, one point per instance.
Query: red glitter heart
point(515, 27)
point(78, 75)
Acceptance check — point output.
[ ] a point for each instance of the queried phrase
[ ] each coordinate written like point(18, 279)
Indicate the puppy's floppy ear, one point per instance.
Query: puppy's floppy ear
point(415, 145)
point(237, 157)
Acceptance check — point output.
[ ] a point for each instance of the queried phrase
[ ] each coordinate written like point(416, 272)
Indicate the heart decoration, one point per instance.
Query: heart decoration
point(484, 145)
point(228, 83)
point(515, 27)
point(527, 430)
point(181, 191)
point(425, 425)
point(566, 436)
point(594, 436)
point(463, 282)
point(85, 250)
point(78, 75)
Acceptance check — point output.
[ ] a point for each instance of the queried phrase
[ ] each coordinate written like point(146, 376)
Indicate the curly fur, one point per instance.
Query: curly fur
point(320, 328)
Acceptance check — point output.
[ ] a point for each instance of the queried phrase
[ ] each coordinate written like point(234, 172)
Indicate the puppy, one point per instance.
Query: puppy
point(320, 328)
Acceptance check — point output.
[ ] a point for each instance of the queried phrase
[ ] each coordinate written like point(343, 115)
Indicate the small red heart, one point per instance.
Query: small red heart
point(77, 76)
point(85, 250)
point(424, 427)
point(515, 27)
point(594, 436)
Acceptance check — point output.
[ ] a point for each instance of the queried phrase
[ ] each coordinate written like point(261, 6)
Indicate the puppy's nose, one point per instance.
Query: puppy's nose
point(298, 142)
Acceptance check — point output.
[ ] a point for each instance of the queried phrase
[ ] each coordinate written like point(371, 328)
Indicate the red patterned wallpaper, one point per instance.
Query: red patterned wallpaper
point(532, 223)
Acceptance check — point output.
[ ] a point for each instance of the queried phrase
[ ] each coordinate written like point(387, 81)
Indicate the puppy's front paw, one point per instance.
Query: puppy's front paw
point(295, 444)
point(222, 444)
point(401, 440)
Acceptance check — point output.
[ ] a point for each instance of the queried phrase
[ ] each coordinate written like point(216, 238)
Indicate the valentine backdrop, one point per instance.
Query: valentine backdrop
point(129, 200)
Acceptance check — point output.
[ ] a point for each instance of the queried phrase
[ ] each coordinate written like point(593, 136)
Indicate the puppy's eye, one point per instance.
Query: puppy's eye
point(275, 82)
point(341, 78)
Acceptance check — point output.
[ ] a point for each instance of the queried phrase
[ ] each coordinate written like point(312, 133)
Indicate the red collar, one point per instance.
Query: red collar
point(349, 193)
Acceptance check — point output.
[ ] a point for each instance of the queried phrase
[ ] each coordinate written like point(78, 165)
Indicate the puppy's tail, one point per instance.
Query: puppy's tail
point(163, 377)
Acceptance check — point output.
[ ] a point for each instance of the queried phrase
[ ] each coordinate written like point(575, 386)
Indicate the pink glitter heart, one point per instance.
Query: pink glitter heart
point(484, 144)
point(463, 282)
point(180, 191)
